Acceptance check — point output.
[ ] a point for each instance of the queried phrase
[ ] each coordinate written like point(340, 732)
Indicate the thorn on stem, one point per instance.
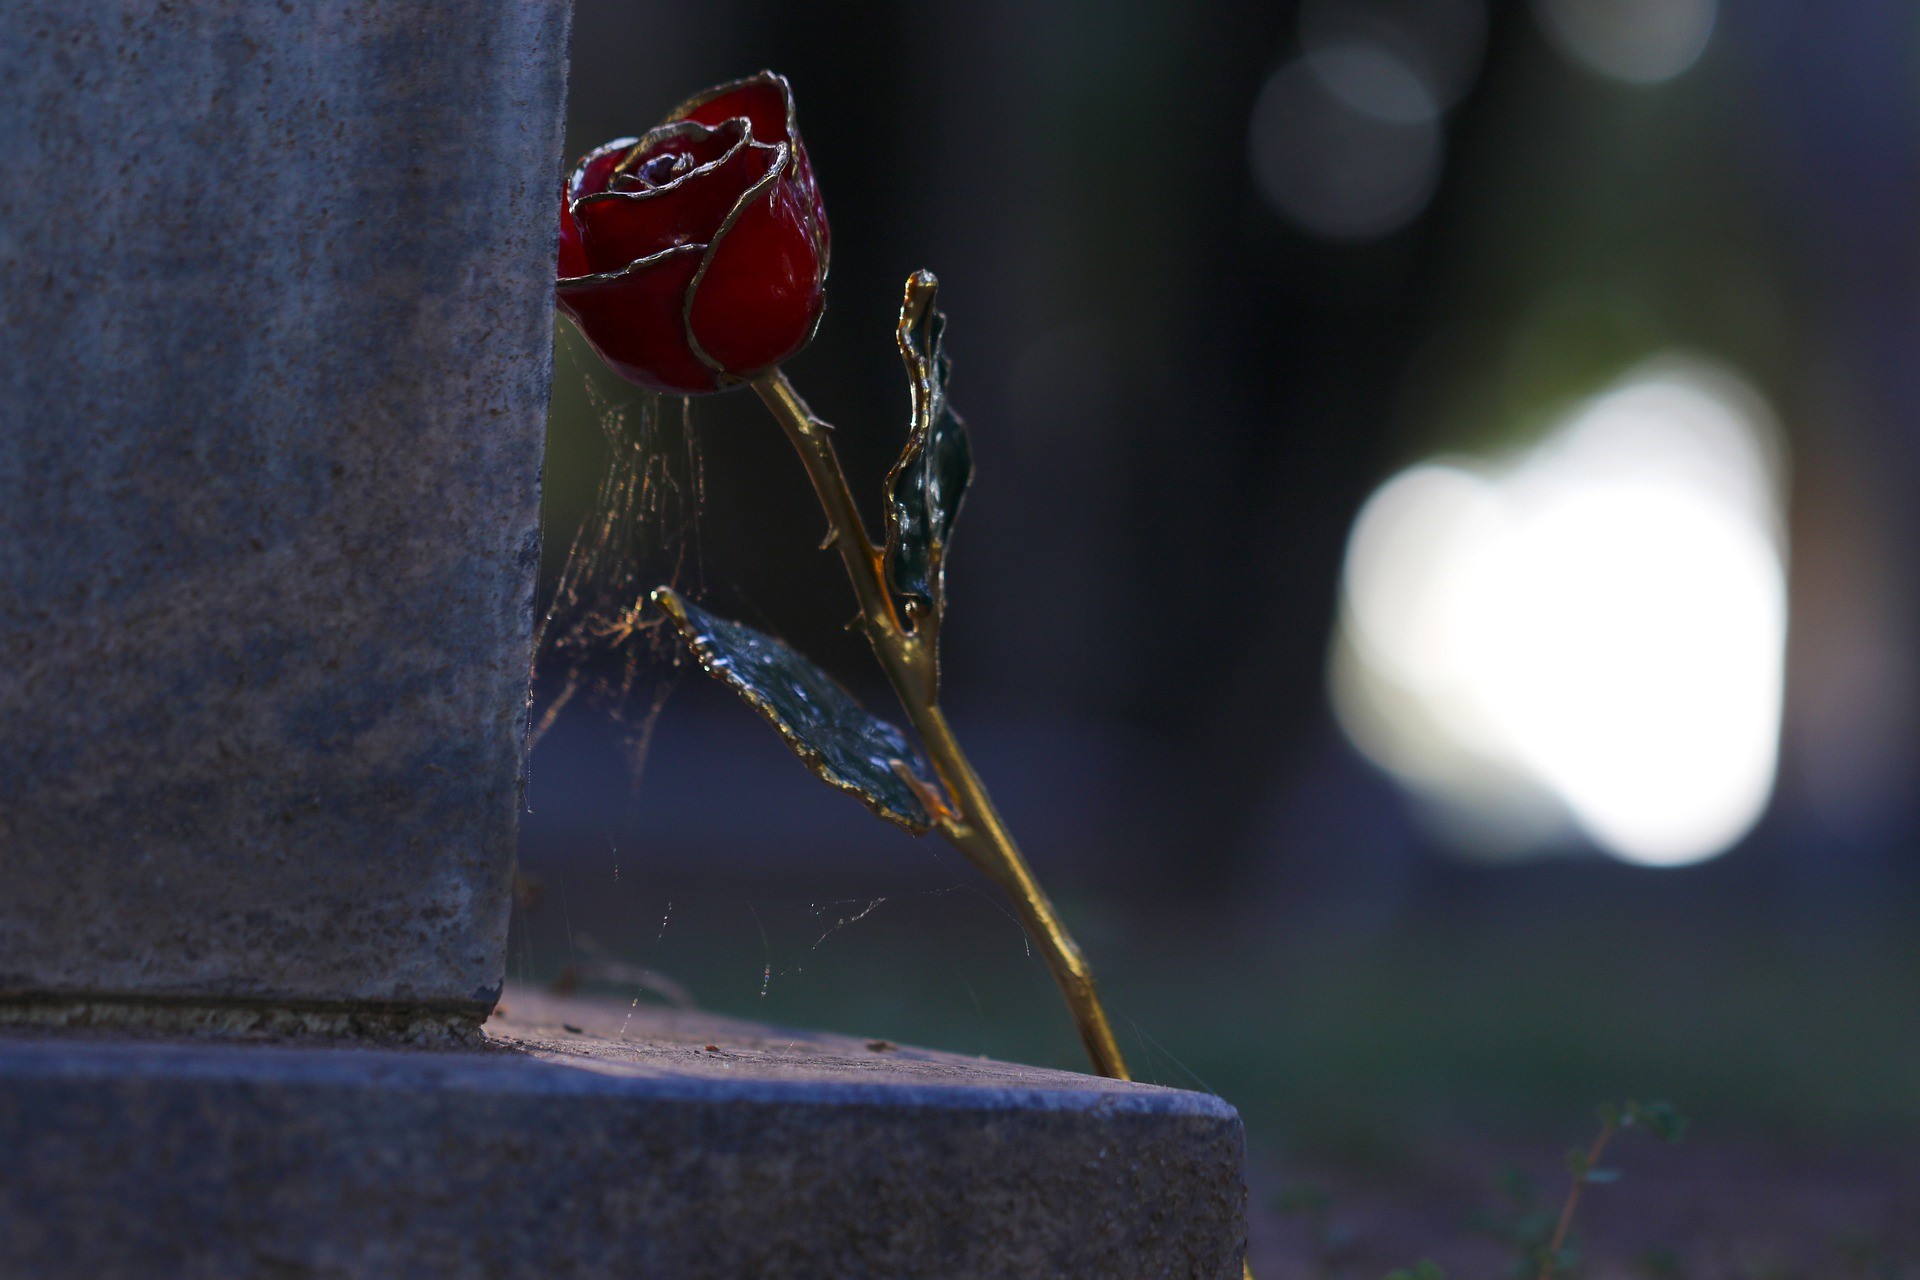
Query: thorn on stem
point(833, 536)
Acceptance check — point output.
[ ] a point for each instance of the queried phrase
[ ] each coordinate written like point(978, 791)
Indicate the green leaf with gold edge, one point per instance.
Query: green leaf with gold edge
point(845, 745)
point(927, 485)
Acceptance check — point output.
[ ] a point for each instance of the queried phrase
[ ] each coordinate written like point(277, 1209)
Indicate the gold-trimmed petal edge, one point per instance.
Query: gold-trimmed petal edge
point(566, 186)
point(632, 268)
point(747, 197)
point(690, 127)
point(822, 253)
point(762, 76)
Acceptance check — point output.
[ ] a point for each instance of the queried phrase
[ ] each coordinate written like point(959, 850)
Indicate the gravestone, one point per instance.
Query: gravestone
point(276, 293)
point(277, 299)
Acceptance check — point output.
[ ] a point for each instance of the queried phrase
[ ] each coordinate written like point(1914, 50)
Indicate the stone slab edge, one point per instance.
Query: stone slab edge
point(695, 1146)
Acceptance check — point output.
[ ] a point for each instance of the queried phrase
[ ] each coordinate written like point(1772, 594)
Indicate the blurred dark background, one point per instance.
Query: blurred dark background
point(1215, 272)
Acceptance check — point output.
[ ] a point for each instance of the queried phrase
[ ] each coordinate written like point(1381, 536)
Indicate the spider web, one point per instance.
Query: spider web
point(603, 649)
point(600, 643)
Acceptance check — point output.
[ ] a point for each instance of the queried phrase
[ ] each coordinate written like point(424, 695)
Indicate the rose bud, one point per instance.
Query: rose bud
point(696, 257)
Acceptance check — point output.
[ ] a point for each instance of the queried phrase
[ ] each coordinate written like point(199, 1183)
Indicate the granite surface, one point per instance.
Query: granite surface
point(586, 1140)
point(275, 320)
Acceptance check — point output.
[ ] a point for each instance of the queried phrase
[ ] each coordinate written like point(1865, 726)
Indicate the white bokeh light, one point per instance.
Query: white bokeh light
point(1442, 41)
point(1345, 142)
point(1601, 620)
point(1639, 41)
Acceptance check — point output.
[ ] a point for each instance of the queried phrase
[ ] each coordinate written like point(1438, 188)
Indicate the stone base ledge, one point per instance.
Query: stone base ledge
point(591, 1140)
point(438, 1025)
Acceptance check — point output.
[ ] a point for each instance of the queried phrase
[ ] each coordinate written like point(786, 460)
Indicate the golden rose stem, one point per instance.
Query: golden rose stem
point(976, 829)
point(979, 832)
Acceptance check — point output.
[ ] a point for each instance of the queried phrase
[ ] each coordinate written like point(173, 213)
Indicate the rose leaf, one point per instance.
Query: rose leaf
point(834, 736)
point(926, 486)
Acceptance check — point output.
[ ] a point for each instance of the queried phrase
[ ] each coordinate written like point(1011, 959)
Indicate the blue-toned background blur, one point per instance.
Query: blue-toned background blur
point(1438, 600)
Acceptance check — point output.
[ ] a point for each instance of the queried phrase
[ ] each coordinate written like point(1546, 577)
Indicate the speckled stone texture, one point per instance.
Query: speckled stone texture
point(620, 1145)
point(275, 317)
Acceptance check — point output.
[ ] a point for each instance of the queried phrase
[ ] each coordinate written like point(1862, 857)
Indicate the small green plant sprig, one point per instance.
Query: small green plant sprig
point(1557, 1256)
point(1540, 1237)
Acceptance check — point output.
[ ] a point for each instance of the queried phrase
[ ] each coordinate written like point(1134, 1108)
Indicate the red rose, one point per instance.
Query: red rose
point(696, 257)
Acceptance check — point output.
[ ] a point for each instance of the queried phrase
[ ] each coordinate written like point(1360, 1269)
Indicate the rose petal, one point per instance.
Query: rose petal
point(698, 144)
point(808, 194)
point(767, 101)
point(759, 294)
point(739, 242)
point(596, 167)
point(621, 227)
point(573, 250)
point(634, 320)
point(764, 99)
